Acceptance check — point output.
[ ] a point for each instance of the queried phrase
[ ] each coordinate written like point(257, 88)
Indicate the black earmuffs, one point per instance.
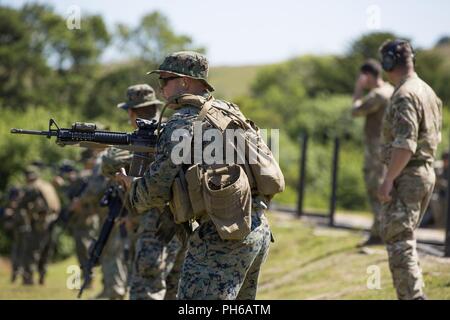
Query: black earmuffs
point(391, 58)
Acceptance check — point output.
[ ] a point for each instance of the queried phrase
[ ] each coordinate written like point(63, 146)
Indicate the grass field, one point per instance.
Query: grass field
point(232, 82)
point(305, 262)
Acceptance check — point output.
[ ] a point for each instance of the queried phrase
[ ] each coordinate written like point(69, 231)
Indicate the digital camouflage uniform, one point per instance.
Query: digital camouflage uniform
point(372, 107)
point(111, 261)
point(15, 224)
point(154, 272)
point(21, 251)
point(412, 122)
point(40, 205)
point(84, 223)
point(213, 268)
point(115, 268)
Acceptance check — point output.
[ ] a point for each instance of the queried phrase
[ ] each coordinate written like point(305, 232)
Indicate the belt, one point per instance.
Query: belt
point(417, 163)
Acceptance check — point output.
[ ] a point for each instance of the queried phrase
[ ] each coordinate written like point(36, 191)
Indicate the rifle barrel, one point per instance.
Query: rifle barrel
point(33, 132)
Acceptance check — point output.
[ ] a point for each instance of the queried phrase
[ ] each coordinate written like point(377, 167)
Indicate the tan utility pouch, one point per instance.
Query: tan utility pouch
point(180, 204)
point(228, 201)
point(194, 180)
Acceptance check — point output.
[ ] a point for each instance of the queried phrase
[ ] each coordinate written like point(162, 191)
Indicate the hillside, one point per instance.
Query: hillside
point(231, 82)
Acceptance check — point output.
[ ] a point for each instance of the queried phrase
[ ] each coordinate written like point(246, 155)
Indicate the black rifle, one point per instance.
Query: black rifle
point(112, 199)
point(142, 142)
point(83, 134)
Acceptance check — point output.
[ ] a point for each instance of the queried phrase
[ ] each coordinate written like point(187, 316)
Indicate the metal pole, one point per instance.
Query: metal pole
point(302, 174)
point(447, 229)
point(334, 181)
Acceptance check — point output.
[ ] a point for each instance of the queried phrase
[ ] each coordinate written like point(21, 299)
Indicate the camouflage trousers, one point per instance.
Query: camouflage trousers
point(374, 171)
point(219, 269)
point(83, 237)
point(22, 253)
point(157, 262)
point(17, 248)
point(399, 219)
point(114, 267)
point(28, 246)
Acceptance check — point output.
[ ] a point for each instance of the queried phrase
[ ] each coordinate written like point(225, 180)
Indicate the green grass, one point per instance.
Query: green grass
point(55, 287)
point(231, 82)
point(305, 262)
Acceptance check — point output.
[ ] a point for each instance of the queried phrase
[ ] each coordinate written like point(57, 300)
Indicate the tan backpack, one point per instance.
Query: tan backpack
point(224, 192)
point(260, 165)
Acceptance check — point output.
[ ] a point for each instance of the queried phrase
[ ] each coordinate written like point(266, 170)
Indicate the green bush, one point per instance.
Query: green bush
point(17, 151)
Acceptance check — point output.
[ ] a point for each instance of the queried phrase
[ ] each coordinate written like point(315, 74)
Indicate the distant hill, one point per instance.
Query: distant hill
point(231, 81)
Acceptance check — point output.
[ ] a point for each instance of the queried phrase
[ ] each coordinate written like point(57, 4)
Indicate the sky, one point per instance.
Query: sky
point(243, 32)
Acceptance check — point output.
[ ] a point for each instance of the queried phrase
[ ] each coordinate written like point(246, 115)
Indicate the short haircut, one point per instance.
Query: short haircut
point(401, 48)
point(371, 66)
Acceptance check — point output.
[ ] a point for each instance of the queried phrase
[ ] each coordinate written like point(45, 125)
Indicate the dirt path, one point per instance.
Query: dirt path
point(362, 222)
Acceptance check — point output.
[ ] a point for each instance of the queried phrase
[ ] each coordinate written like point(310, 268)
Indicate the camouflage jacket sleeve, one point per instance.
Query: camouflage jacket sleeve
point(405, 123)
point(367, 105)
point(113, 160)
point(153, 190)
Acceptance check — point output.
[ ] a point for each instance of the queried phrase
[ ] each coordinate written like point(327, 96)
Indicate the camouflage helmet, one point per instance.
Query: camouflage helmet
point(139, 96)
point(186, 64)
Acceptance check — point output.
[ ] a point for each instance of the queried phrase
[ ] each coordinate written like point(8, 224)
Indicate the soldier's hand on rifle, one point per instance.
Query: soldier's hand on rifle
point(124, 179)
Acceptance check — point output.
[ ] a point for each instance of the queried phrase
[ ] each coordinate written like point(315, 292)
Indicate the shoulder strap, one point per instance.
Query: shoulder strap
point(205, 108)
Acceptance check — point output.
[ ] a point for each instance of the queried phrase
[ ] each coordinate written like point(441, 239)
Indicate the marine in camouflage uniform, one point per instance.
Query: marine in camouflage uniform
point(155, 268)
point(85, 193)
point(372, 107)
point(412, 126)
point(87, 217)
point(40, 205)
point(13, 225)
point(213, 268)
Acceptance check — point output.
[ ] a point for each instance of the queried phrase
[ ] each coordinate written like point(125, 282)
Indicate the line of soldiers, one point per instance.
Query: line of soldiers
point(402, 132)
point(28, 215)
point(218, 253)
point(37, 213)
point(142, 255)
